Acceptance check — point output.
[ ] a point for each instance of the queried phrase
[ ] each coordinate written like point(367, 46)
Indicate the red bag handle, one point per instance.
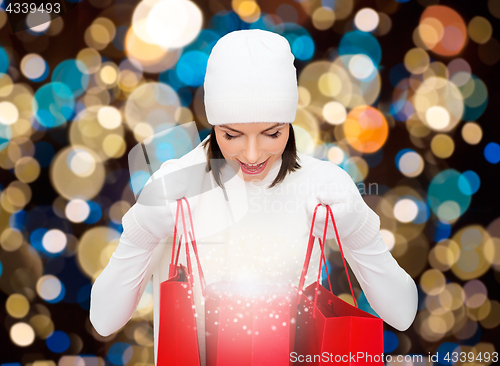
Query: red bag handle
point(195, 248)
point(341, 252)
point(309, 252)
point(178, 250)
point(171, 268)
point(193, 243)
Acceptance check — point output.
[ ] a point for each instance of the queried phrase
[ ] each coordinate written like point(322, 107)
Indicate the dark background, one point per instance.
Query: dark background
point(72, 318)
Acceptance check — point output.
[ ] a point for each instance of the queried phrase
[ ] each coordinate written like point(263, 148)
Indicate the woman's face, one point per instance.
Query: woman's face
point(244, 144)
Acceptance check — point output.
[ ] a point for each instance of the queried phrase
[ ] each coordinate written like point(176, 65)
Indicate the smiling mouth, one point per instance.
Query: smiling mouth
point(254, 166)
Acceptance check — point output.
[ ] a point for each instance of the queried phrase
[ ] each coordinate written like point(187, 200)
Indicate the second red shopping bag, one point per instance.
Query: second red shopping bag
point(330, 330)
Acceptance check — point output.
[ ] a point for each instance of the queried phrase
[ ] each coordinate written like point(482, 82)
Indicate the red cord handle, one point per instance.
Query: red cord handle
point(171, 269)
point(309, 252)
point(193, 243)
point(195, 249)
point(341, 252)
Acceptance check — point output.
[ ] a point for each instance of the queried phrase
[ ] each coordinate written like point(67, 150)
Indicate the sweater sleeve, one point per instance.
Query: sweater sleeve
point(389, 289)
point(118, 289)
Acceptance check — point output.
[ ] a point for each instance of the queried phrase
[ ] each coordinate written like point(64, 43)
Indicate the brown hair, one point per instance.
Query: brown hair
point(289, 158)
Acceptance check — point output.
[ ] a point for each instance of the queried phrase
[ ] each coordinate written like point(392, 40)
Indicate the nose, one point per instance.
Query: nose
point(252, 151)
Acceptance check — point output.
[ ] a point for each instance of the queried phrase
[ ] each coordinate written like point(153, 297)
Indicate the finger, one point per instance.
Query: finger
point(311, 203)
point(332, 197)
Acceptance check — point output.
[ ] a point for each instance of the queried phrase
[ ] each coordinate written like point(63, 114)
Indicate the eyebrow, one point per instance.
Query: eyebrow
point(267, 129)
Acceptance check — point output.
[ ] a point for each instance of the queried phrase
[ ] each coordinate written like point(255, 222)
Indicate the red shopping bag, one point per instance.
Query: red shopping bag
point(177, 336)
point(329, 330)
point(249, 326)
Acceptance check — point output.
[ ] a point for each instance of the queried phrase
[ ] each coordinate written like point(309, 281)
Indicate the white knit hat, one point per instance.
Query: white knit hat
point(251, 77)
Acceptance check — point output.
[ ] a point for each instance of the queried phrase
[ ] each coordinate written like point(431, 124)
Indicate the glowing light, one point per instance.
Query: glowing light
point(114, 146)
point(109, 117)
point(336, 155)
point(167, 23)
point(405, 210)
point(451, 39)
point(476, 293)
point(430, 31)
point(54, 241)
point(27, 169)
point(69, 72)
point(416, 61)
point(330, 84)
point(90, 58)
point(77, 210)
point(53, 104)
point(323, 18)
point(366, 20)
point(460, 71)
point(81, 162)
point(492, 152)
point(154, 103)
point(442, 146)
point(366, 129)
point(34, 67)
point(480, 29)
point(49, 287)
point(411, 164)
point(249, 11)
point(71, 183)
point(437, 117)
point(17, 306)
point(38, 22)
point(361, 66)
point(8, 113)
point(444, 196)
point(22, 334)
point(334, 112)
point(432, 282)
point(472, 133)
point(108, 74)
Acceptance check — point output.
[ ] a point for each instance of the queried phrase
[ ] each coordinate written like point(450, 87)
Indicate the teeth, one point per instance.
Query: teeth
point(253, 166)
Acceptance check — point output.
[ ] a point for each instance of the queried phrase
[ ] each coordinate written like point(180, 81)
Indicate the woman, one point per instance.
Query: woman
point(252, 226)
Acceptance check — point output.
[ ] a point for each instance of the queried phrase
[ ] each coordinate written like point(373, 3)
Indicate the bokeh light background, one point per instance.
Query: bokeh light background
point(401, 94)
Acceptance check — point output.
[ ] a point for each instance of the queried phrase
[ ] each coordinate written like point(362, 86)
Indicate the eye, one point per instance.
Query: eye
point(275, 135)
point(228, 136)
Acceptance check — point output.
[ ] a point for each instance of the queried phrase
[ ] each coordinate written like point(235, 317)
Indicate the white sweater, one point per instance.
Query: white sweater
point(266, 243)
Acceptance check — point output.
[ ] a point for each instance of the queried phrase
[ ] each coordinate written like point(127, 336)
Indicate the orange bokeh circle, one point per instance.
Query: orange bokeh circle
point(452, 29)
point(366, 129)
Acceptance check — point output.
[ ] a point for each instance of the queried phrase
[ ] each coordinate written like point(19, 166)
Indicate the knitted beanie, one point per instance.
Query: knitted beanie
point(251, 77)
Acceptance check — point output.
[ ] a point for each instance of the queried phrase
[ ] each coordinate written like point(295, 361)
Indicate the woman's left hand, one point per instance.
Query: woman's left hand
point(346, 217)
point(319, 224)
